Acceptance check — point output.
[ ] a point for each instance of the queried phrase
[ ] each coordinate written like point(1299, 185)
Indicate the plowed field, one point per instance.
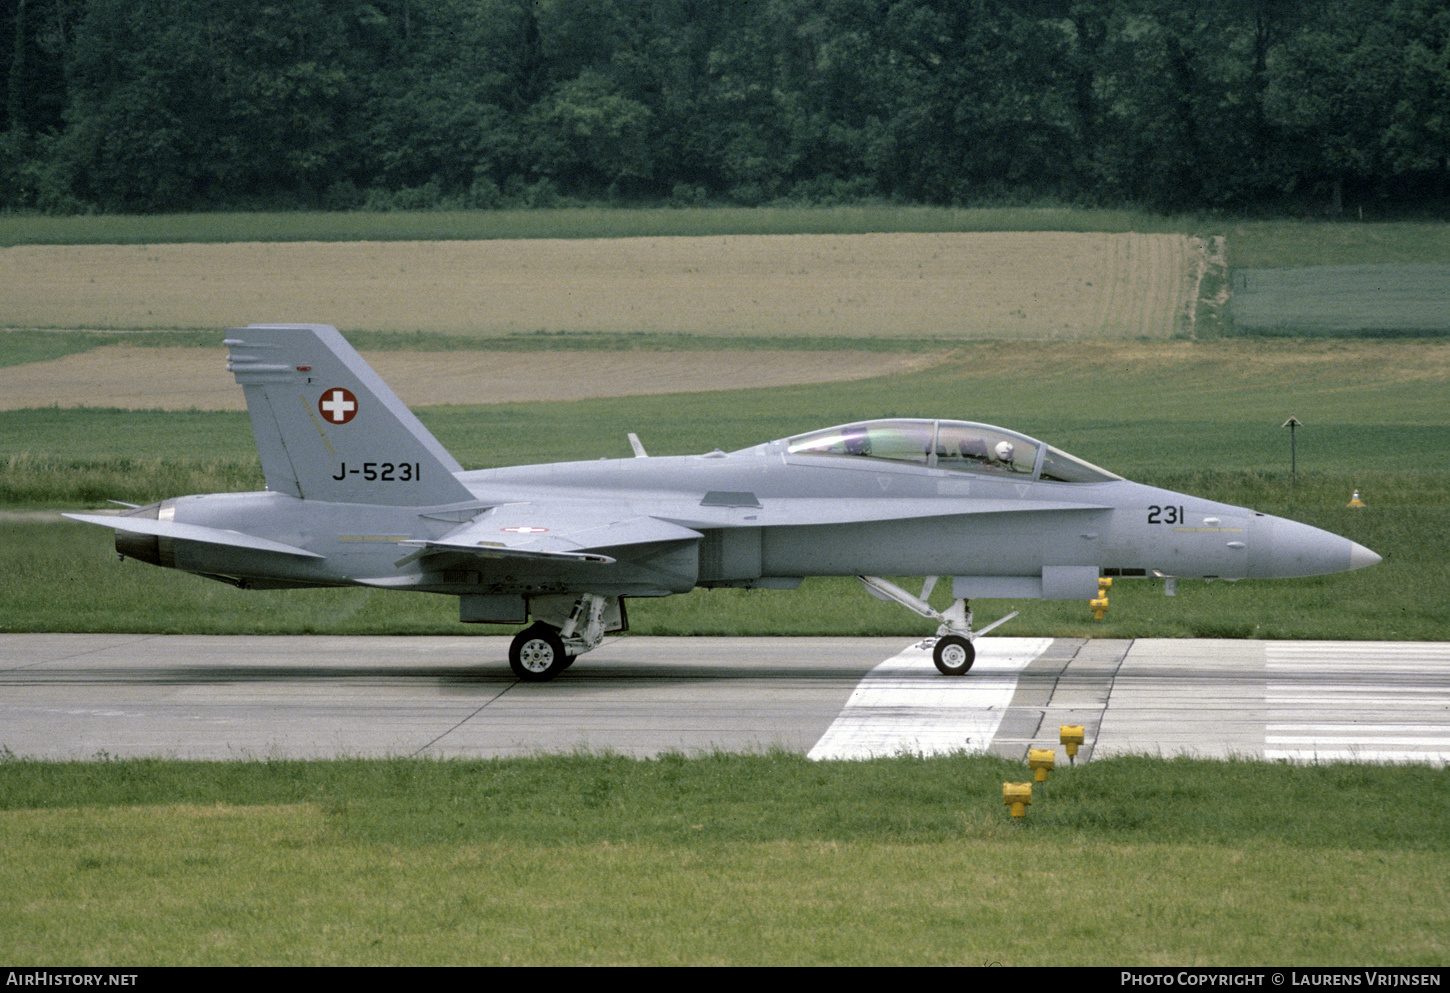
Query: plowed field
point(1037, 285)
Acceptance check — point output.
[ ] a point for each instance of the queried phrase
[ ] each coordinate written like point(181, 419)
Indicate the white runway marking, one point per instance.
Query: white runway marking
point(904, 706)
point(1383, 716)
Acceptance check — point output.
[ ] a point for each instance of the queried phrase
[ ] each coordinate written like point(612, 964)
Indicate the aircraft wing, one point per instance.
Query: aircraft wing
point(578, 532)
point(193, 532)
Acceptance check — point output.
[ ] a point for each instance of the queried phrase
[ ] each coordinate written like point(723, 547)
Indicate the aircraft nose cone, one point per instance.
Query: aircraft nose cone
point(1359, 556)
point(1302, 550)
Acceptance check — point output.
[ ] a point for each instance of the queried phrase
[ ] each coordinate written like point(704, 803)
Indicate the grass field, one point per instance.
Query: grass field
point(1364, 300)
point(721, 859)
point(1293, 244)
point(588, 222)
point(1252, 244)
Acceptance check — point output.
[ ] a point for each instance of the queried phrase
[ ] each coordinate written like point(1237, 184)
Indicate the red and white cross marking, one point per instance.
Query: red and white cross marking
point(338, 405)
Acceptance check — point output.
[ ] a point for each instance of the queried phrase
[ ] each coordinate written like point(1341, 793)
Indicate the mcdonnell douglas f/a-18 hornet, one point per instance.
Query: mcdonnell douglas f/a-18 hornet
point(359, 493)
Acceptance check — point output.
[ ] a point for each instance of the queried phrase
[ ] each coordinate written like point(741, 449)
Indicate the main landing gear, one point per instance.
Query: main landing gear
point(543, 650)
point(952, 649)
point(538, 653)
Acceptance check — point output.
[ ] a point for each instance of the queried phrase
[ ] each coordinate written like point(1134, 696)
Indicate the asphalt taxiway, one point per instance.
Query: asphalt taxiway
point(84, 696)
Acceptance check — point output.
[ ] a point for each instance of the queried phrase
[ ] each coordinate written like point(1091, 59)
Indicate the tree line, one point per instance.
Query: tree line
point(1176, 105)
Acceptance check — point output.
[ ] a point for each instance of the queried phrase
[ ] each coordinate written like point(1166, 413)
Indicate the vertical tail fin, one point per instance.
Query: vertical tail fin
point(328, 427)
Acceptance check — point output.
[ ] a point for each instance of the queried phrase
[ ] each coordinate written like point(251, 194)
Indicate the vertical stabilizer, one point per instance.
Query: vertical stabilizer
point(328, 427)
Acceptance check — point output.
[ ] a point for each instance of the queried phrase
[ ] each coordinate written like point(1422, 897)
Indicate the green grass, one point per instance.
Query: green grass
point(1362, 300)
point(1290, 244)
point(21, 347)
point(720, 859)
point(1251, 244)
point(586, 222)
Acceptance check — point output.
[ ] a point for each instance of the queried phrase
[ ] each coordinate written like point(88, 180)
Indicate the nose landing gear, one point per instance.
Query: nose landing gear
point(951, 650)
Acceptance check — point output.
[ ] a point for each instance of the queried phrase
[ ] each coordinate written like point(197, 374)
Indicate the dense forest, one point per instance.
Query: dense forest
point(1177, 105)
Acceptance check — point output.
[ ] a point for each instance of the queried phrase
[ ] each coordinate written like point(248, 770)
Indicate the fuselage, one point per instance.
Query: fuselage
point(769, 517)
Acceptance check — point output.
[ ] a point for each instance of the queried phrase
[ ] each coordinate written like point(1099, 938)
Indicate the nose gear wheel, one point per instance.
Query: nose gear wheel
point(953, 655)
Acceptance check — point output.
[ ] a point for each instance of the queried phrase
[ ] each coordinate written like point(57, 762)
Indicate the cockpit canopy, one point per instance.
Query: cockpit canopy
point(959, 445)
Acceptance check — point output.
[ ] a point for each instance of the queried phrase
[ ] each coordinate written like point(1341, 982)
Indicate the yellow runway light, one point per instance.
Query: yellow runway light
point(1018, 796)
point(1071, 736)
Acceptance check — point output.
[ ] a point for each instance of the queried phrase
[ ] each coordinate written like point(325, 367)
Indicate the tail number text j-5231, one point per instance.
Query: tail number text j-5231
point(387, 472)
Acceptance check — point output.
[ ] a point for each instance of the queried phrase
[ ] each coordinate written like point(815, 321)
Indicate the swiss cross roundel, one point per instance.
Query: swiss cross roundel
point(337, 406)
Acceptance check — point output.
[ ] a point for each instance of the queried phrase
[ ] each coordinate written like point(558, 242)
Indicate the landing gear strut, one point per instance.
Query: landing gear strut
point(543, 650)
point(952, 649)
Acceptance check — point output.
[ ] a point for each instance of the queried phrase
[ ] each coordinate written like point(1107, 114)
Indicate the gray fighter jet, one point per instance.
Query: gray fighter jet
point(359, 493)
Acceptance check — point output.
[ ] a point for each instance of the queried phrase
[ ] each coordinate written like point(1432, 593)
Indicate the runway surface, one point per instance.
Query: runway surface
point(86, 696)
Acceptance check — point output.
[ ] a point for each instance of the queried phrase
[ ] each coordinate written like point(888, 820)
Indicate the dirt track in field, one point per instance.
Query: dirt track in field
point(1007, 285)
point(196, 378)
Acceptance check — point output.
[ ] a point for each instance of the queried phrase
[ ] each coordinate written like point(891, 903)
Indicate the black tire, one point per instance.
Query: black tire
point(953, 655)
point(537, 654)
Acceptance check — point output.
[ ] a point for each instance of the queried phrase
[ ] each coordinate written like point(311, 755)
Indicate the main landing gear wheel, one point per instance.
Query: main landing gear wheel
point(953, 655)
point(537, 654)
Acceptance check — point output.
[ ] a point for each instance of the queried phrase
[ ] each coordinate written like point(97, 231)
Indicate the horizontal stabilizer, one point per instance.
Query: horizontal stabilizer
point(193, 532)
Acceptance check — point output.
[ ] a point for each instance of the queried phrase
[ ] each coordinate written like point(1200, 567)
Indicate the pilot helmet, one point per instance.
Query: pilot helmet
point(1003, 451)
